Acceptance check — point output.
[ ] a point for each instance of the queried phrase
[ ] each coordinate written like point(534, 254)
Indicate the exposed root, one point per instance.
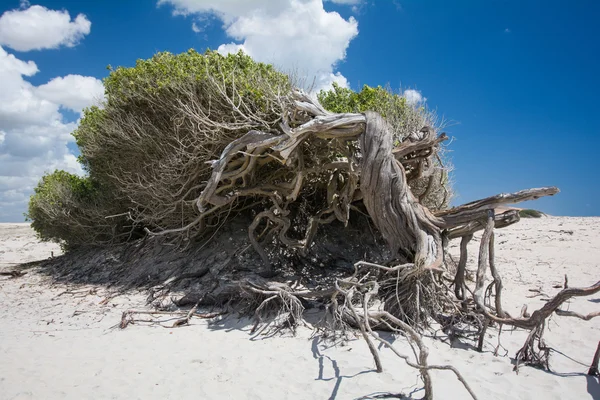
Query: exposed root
point(320, 168)
point(534, 352)
point(364, 317)
point(594, 366)
point(127, 317)
point(383, 395)
point(587, 317)
point(13, 274)
point(400, 298)
point(279, 303)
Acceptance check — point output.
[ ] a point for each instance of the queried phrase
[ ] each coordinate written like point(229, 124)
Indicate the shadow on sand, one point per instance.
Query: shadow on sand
point(593, 386)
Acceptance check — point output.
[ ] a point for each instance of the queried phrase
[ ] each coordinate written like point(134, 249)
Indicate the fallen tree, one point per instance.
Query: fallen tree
point(287, 169)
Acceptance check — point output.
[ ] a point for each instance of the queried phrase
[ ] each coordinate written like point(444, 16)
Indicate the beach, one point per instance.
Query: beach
point(62, 341)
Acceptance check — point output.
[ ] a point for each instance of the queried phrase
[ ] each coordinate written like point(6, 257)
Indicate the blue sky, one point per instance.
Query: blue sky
point(517, 79)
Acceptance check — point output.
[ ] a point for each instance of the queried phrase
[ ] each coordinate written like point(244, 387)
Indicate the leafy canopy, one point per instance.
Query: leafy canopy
point(344, 100)
point(58, 198)
point(150, 140)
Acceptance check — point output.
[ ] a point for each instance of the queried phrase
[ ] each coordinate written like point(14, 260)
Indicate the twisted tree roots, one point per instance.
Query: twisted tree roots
point(367, 171)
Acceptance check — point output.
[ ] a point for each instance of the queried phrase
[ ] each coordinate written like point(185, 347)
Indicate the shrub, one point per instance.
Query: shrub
point(146, 149)
point(528, 213)
point(71, 209)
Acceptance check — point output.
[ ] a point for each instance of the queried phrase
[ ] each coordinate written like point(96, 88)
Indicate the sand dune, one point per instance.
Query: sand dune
point(58, 341)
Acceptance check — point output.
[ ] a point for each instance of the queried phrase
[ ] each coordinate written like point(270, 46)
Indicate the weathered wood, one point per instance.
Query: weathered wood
point(483, 260)
point(585, 317)
point(476, 210)
point(594, 366)
point(424, 141)
point(481, 340)
point(404, 223)
point(208, 195)
point(496, 276)
point(538, 316)
point(459, 279)
point(322, 125)
point(500, 221)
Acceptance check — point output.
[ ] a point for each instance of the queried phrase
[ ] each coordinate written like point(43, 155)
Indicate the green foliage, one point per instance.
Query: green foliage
point(89, 127)
point(162, 72)
point(62, 206)
point(379, 99)
point(51, 187)
point(150, 91)
point(528, 213)
point(148, 145)
point(403, 117)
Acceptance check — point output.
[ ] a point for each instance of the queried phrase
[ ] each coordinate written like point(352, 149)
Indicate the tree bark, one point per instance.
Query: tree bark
point(594, 367)
point(404, 223)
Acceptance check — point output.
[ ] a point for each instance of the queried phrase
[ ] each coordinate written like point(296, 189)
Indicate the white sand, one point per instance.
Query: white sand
point(56, 345)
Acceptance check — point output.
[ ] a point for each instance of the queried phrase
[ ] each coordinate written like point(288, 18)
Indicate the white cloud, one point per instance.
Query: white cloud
point(74, 92)
point(37, 27)
point(346, 1)
point(297, 36)
point(354, 3)
point(33, 132)
point(414, 96)
point(231, 48)
point(19, 106)
point(227, 10)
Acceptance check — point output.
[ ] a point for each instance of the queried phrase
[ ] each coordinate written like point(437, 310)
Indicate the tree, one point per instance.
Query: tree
point(184, 142)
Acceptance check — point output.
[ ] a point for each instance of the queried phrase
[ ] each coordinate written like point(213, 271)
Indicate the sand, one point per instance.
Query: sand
point(60, 342)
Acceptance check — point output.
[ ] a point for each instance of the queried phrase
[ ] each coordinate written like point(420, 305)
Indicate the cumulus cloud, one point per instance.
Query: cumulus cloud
point(33, 132)
point(19, 106)
point(74, 92)
point(413, 96)
point(36, 28)
point(227, 10)
point(297, 36)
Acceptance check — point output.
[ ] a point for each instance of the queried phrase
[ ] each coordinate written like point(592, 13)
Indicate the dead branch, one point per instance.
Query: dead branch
point(594, 366)
point(564, 313)
point(13, 274)
point(127, 316)
point(476, 210)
